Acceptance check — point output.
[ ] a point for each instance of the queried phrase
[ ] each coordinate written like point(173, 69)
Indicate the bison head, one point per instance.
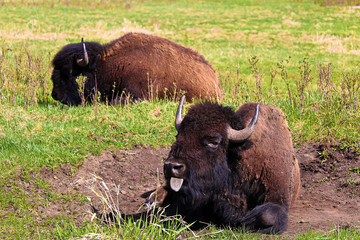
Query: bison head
point(72, 61)
point(197, 168)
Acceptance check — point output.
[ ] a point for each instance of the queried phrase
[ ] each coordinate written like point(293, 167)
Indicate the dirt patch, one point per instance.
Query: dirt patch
point(330, 192)
point(329, 195)
point(128, 174)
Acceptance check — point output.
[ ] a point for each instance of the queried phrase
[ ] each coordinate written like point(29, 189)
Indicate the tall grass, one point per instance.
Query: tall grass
point(24, 77)
point(152, 225)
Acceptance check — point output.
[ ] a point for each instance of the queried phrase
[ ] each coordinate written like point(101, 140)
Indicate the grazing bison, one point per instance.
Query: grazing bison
point(136, 66)
point(225, 170)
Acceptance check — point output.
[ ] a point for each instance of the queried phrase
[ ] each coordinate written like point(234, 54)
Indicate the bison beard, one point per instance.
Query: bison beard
point(249, 178)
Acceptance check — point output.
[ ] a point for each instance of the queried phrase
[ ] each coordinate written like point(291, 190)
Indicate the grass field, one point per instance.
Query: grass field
point(299, 55)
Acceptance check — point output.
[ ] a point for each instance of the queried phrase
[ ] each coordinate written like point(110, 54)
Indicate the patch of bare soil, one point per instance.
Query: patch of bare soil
point(330, 192)
point(329, 195)
point(128, 174)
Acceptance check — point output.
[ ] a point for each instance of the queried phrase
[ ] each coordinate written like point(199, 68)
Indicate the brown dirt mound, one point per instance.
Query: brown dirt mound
point(330, 192)
point(329, 196)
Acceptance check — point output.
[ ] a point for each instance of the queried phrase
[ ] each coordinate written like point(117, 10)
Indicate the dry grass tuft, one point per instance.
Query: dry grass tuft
point(336, 44)
point(149, 225)
point(289, 22)
point(332, 44)
point(28, 34)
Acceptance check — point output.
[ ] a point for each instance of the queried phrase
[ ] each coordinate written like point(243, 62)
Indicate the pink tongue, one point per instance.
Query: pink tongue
point(176, 183)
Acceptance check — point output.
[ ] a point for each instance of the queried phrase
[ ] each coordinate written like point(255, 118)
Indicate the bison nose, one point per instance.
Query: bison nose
point(174, 169)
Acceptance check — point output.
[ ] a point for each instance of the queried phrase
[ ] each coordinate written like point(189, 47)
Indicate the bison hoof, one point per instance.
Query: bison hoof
point(157, 197)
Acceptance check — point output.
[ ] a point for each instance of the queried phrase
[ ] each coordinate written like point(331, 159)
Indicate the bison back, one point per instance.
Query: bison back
point(267, 157)
point(144, 64)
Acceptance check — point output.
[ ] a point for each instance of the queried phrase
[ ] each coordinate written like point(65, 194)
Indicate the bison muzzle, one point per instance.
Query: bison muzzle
point(135, 66)
point(234, 168)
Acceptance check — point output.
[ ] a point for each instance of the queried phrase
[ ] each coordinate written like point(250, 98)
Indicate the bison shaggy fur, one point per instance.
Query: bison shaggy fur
point(134, 66)
point(251, 183)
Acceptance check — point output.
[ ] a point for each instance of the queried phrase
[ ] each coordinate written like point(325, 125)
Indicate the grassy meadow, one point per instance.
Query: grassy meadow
point(302, 56)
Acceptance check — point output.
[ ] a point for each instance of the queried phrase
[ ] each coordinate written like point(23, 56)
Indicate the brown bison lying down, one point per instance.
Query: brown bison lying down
point(136, 66)
point(227, 171)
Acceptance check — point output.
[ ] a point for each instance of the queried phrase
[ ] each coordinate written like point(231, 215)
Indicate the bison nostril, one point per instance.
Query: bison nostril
point(175, 169)
point(178, 167)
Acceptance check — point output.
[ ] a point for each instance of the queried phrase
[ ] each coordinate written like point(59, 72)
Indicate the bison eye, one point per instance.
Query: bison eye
point(212, 142)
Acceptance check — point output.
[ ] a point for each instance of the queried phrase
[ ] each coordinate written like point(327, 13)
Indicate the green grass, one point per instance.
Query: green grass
point(248, 43)
point(51, 134)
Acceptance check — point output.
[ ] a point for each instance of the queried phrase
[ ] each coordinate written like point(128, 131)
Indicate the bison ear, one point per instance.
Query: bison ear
point(178, 118)
point(97, 59)
point(84, 61)
point(243, 134)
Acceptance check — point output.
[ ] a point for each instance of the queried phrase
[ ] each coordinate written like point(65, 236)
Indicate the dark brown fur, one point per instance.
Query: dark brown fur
point(136, 65)
point(251, 184)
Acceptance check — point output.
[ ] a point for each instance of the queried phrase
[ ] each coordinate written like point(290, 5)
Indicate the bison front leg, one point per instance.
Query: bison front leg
point(269, 218)
point(157, 197)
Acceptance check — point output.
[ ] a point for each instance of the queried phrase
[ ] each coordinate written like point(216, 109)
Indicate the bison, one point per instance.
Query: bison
point(134, 66)
point(233, 168)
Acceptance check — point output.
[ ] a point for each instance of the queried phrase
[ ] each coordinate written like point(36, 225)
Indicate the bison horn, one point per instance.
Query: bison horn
point(243, 134)
point(83, 62)
point(178, 118)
